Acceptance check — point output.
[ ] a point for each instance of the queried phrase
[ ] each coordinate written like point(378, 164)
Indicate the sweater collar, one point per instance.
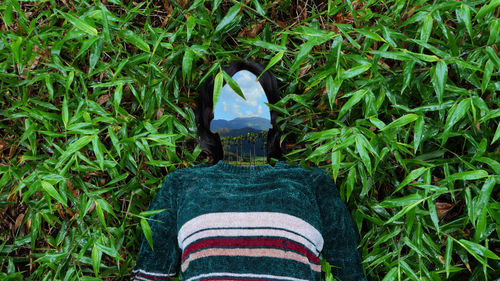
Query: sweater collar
point(247, 169)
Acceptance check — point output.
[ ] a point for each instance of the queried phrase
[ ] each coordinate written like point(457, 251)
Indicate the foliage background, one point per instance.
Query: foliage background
point(397, 100)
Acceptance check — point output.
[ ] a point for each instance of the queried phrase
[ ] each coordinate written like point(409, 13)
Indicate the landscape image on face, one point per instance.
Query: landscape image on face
point(242, 124)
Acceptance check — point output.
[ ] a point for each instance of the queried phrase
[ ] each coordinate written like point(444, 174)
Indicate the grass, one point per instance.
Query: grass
point(397, 100)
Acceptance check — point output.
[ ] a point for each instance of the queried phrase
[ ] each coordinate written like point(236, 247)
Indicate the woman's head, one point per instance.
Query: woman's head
point(204, 113)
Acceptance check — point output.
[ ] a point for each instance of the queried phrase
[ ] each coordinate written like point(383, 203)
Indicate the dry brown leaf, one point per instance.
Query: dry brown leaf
point(19, 219)
point(442, 208)
point(103, 99)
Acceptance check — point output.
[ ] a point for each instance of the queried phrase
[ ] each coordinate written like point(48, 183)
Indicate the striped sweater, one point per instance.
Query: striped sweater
point(227, 222)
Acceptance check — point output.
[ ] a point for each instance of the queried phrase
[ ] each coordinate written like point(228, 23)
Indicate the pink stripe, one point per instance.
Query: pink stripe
point(251, 220)
point(265, 252)
point(249, 232)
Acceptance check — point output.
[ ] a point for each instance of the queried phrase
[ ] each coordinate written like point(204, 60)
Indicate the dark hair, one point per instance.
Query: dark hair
point(210, 142)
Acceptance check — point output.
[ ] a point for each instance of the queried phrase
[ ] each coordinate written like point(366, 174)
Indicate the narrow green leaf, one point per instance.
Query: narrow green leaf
point(401, 201)
point(485, 9)
point(351, 179)
point(96, 259)
point(469, 175)
point(426, 29)
point(146, 229)
point(365, 157)
point(304, 51)
point(497, 134)
point(391, 275)
point(457, 113)
point(449, 251)
point(217, 88)
point(465, 15)
point(49, 188)
point(484, 195)
point(80, 24)
point(100, 213)
point(474, 248)
point(433, 213)
point(96, 146)
point(190, 24)
point(439, 77)
point(187, 63)
point(65, 112)
point(230, 81)
point(134, 39)
point(413, 175)
point(274, 60)
point(356, 97)
point(332, 88)
point(488, 70)
point(229, 19)
point(401, 121)
point(418, 132)
point(355, 71)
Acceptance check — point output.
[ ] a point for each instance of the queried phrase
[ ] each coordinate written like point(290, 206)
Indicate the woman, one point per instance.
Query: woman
point(227, 222)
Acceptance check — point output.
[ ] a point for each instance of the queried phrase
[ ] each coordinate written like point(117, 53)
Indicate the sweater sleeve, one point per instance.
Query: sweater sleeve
point(339, 233)
point(161, 262)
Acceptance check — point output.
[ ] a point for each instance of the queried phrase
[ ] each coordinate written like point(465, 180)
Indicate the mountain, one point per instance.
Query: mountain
point(257, 123)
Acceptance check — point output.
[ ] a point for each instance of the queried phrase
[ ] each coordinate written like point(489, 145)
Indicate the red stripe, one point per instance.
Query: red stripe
point(251, 242)
point(153, 277)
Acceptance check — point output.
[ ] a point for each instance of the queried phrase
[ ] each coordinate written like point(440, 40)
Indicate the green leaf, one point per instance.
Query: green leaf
point(401, 201)
point(356, 97)
point(365, 157)
point(304, 51)
point(96, 145)
point(80, 24)
point(49, 188)
point(217, 88)
point(134, 39)
point(332, 88)
point(187, 63)
point(497, 134)
point(465, 15)
point(474, 248)
point(274, 60)
point(229, 19)
point(469, 175)
point(96, 259)
point(146, 229)
point(351, 179)
point(355, 71)
point(426, 29)
point(484, 195)
point(455, 114)
point(418, 132)
point(485, 9)
point(391, 275)
point(449, 252)
point(100, 213)
point(190, 24)
point(413, 175)
point(64, 112)
point(230, 81)
point(439, 77)
point(370, 34)
point(401, 121)
point(488, 70)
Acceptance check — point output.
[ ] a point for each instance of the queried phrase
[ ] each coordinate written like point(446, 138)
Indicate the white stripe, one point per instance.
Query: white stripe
point(249, 232)
point(249, 220)
point(220, 274)
point(153, 273)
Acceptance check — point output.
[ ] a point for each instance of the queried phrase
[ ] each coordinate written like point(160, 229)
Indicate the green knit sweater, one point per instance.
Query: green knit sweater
point(227, 222)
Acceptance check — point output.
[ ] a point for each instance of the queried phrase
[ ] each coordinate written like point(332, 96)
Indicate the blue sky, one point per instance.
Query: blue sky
point(230, 105)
